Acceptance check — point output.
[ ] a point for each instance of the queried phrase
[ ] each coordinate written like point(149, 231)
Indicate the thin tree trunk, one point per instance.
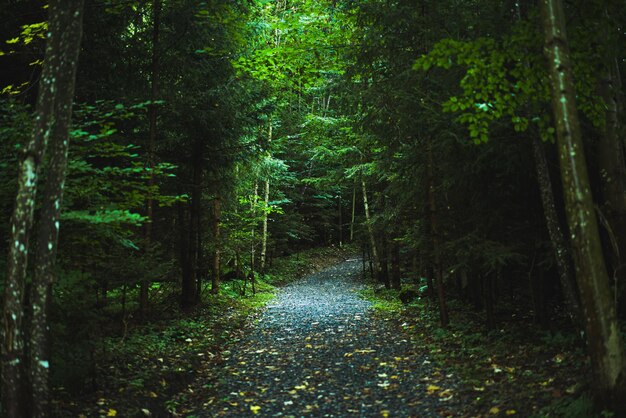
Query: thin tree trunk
point(370, 231)
point(186, 279)
point(557, 236)
point(266, 201)
point(189, 289)
point(353, 212)
point(152, 116)
point(255, 198)
point(396, 280)
point(217, 215)
point(434, 230)
point(340, 224)
point(53, 115)
point(602, 330)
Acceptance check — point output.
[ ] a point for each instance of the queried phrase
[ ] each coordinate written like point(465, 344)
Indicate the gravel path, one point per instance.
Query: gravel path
point(317, 351)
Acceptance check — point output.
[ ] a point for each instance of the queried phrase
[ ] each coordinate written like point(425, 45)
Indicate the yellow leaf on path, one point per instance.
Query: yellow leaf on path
point(300, 387)
point(308, 346)
point(153, 395)
point(511, 412)
point(255, 409)
point(112, 413)
point(384, 413)
point(494, 411)
point(432, 389)
point(445, 393)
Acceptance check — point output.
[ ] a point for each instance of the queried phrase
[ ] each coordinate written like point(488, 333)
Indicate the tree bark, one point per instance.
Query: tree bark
point(215, 278)
point(152, 116)
point(189, 296)
point(353, 213)
point(396, 280)
point(52, 119)
point(253, 203)
point(370, 231)
point(49, 219)
point(266, 203)
point(434, 231)
point(340, 223)
point(602, 331)
point(560, 247)
point(613, 172)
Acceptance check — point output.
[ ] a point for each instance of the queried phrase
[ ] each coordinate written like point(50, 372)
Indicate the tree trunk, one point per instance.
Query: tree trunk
point(49, 219)
point(253, 203)
point(52, 120)
point(266, 204)
point(384, 262)
point(152, 116)
point(434, 231)
point(195, 212)
point(353, 212)
point(217, 216)
point(187, 285)
point(370, 231)
point(613, 173)
point(340, 223)
point(396, 280)
point(602, 331)
point(560, 247)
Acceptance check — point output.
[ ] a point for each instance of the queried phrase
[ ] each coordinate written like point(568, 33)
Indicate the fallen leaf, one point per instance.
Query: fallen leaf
point(255, 409)
point(511, 412)
point(112, 413)
point(432, 389)
point(494, 411)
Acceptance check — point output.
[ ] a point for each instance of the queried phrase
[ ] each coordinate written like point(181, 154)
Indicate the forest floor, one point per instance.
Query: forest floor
point(318, 351)
point(328, 345)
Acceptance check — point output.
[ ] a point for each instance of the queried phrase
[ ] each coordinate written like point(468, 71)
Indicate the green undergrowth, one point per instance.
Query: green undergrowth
point(516, 369)
point(141, 368)
point(385, 302)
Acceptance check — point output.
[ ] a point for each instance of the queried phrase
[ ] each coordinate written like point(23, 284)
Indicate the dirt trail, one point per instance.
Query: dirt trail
point(318, 351)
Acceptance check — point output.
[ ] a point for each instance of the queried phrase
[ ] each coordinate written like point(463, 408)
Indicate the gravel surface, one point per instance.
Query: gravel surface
point(318, 351)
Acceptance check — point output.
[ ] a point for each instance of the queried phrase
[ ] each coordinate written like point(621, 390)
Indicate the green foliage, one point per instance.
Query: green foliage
point(507, 79)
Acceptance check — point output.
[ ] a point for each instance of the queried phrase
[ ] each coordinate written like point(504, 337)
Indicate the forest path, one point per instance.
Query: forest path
point(318, 351)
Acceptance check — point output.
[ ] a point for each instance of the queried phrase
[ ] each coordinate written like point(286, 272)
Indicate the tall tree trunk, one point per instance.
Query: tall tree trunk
point(189, 289)
point(353, 212)
point(253, 203)
point(52, 119)
point(187, 285)
point(152, 116)
point(217, 216)
point(340, 223)
point(370, 231)
point(396, 280)
point(434, 231)
point(557, 236)
point(266, 203)
point(49, 219)
point(602, 330)
point(613, 172)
